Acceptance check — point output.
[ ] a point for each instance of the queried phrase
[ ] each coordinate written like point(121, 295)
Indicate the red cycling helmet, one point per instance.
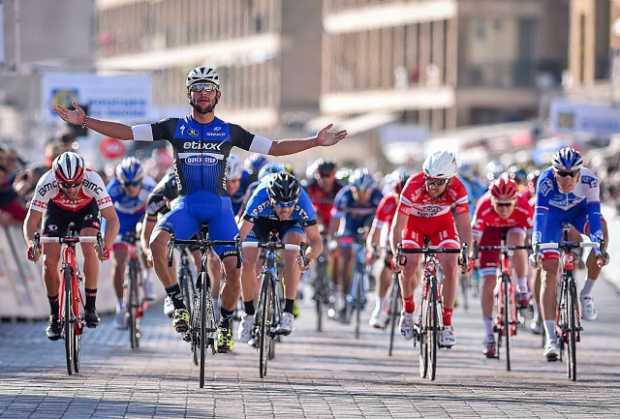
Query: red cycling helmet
point(504, 189)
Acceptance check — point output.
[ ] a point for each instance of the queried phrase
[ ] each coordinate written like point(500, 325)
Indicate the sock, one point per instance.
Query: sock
point(249, 307)
point(587, 287)
point(119, 305)
point(408, 304)
point(550, 330)
point(288, 306)
point(447, 316)
point(91, 297)
point(522, 284)
point(174, 292)
point(54, 305)
point(488, 325)
point(226, 317)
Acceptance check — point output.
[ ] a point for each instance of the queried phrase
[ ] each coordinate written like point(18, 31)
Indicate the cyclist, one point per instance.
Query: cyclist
point(354, 208)
point(378, 241)
point(322, 189)
point(567, 193)
point(432, 204)
point(534, 270)
point(475, 189)
point(70, 193)
point(234, 172)
point(248, 175)
point(129, 191)
point(501, 212)
point(201, 143)
point(282, 205)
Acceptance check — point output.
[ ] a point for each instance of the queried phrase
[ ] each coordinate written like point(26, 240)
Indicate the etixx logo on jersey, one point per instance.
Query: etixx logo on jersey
point(202, 146)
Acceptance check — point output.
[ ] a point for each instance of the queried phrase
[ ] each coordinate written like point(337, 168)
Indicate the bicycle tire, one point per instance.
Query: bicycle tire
point(506, 319)
point(203, 328)
point(195, 322)
point(423, 338)
point(394, 313)
point(76, 353)
point(132, 307)
point(319, 295)
point(358, 304)
point(571, 363)
point(77, 328)
point(434, 332)
point(69, 331)
point(185, 276)
point(464, 281)
point(265, 304)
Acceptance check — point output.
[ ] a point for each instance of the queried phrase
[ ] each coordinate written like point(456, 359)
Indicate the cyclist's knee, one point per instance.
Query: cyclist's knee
point(50, 263)
point(159, 244)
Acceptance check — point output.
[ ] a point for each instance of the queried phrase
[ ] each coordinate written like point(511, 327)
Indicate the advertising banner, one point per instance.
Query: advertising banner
point(600, 119)
point(126, 98)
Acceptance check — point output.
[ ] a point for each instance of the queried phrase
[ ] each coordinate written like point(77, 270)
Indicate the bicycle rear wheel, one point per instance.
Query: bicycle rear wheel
point(264, 339)
point(203, 328)
point(394, 311)
point(319, 294)
point(132, 307)
point(506, 316)
point(358, 304)
point(433, 322)
point(69, 331)
point(571, 331)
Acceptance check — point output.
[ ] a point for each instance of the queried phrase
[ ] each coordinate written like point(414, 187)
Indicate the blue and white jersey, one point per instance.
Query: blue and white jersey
point(124, 204)
point(201, 150)
point(260, 207)
point(553, 208)
point(346, 206)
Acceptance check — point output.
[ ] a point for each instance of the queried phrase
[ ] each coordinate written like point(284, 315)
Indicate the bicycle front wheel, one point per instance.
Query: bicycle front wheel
point(264, 339)
point(132, 307)
point(506, 317)
point(358, 304)
point(423, 338)
point(394, 311)
point(202, 339)
point(571, 331)
point(433, 330)
point(69, 331)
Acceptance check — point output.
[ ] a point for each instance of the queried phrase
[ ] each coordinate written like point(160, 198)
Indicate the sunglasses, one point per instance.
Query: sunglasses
point(65, 185)
point(504, 204)
point(564, 173)
point(283, 205)
point(203, 87)
point(435, 182)
point(132, 183)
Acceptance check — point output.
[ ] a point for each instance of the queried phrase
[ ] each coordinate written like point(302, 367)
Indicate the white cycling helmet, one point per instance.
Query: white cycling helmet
point(440, 165)
point(234, 168)
point(203, 74)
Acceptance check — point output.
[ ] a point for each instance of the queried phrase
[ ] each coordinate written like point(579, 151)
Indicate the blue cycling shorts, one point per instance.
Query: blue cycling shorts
point(555, 221)
point(188, 212)
point(128, 222)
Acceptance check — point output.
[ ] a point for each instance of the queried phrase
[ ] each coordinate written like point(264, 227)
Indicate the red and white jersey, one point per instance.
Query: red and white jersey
point(522, 216)
point(48, 190)
point(386, 210)
point(416, 201)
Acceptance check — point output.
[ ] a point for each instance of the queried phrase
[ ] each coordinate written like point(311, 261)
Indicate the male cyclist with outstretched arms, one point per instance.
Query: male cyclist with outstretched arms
point(129, 191)
point(279, 204)
point(567, 193)
point(201, 143)
point(70, 193)
point(433, 205)
point(500, 214)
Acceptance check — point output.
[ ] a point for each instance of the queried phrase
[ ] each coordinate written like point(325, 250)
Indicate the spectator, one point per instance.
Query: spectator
point(12, 211)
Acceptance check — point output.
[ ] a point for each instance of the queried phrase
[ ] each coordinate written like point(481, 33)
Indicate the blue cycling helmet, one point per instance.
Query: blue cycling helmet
point(362, 180)
point(129, 170)
point(567, 159)
point(269, 169)
point(255, 162)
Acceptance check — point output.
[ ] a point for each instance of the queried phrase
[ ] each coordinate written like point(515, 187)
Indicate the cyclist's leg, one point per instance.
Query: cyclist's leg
point(120, 265)
point(345, 268)
point(489, 261)
point(292, 271)
point(409, 281)
point(516, 237)
point(593, 271)
point(445, 235)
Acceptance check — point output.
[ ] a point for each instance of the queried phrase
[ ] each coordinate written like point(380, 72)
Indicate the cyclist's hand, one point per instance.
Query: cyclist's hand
point(325, 137)
point(148, 256)
point(371, 256)
point(33, 252)
point(534, 260)
point(394, 265)
point(602, 259)
point(105, 253)
point(304, 262)
point(75, 117)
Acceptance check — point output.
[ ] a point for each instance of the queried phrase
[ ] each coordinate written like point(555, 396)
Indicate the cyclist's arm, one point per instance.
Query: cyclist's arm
point(594, 208)
point(374, 234)
point(32, 224)
point(398, 225)
point(245, 228)
point(314, 240)
point(463, 227)
point(147, 229)
point(325, 137)
point(109, 128)
point(112, 226)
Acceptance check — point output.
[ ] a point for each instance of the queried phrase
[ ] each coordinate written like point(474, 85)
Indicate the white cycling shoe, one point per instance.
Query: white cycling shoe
point(378, 318)
point(447, 338)
point(588, 311)
point(245, 328)
point(406, 325)
point(168, 307)
point(552, 351)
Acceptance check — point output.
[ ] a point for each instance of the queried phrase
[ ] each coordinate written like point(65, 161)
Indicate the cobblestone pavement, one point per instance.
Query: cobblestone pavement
point(315, 375)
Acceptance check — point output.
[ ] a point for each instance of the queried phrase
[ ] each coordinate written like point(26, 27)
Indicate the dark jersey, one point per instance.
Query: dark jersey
point(166, 190)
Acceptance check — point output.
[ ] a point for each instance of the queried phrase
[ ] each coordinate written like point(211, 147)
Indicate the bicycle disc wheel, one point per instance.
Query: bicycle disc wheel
point(571, 363)
point(433, 331)
point(506, 319)
point(264, 340)
point(67, 321)
point(394, 312)
point(423, 339)
point(203, 329)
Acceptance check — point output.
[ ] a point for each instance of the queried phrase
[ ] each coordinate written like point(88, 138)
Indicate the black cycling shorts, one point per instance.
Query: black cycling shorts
point(56, 220)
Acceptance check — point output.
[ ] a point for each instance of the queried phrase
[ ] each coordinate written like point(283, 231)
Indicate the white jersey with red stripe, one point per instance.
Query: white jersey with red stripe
point(48, 189)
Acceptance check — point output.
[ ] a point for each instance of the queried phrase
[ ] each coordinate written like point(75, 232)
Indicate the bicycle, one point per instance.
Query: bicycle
point(269, 310)
point(568, 316)
point(356, 299)
point(506, 321)
point(395, 308)
point(134, 301)
point(71, 305)
point(430, 321)
point(321, 283)
point(202, 316)
point(188, 287)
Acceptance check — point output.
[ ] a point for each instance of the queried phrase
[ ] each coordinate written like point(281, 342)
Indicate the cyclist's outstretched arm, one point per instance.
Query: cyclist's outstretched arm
point(108, 128)
point(325, 137)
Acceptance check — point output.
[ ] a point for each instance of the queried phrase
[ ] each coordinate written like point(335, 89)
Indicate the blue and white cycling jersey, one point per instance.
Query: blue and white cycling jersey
point(355, 213)
point(130, 210)
point(554, 208)
point(260, 207)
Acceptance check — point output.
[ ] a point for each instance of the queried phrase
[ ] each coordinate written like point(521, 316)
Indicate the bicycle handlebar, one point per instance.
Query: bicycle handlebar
point(38, 240)
point(274, 246)
point(567, 245)
point(203, 244)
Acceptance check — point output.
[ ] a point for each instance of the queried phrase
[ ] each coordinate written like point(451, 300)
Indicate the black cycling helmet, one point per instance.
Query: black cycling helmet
point(283, 188)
